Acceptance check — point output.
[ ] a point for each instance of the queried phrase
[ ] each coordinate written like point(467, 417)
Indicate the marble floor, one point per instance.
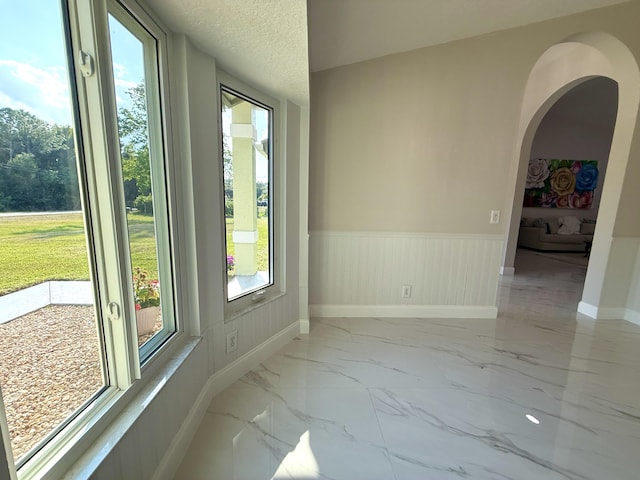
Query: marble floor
point(538, 393)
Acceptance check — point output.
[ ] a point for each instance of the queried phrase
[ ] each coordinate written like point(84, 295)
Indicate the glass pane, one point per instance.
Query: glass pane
point(141, 161)
point(246, 137)
point(50, 355)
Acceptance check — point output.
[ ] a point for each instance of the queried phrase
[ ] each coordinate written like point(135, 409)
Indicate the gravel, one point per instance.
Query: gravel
point(49, 367)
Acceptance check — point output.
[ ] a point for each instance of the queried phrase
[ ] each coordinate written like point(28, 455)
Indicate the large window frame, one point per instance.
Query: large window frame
point(255, 297)
point(98, 153)
point(159, 145)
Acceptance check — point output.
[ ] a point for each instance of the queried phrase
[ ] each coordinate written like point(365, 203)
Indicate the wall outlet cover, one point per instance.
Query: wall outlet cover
point(232, 341)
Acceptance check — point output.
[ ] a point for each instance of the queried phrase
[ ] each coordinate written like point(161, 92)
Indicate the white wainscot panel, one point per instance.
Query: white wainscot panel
point(362, 274)
point(624, 251)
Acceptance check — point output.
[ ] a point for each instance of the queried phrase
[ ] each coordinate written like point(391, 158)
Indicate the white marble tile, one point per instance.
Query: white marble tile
point(480, 433)
point(252, 433)
point(400, 399)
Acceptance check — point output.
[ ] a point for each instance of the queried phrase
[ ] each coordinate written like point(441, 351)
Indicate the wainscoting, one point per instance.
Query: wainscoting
point(620, 296)
point(362, 273)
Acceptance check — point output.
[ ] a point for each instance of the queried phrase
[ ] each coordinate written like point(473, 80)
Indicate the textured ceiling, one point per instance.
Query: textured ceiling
point(266, 41)
point(348, 31)
point(261, 41)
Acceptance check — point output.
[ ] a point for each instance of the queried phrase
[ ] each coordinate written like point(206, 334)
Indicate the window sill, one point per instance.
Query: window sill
point(103, 424)
point(231, 315)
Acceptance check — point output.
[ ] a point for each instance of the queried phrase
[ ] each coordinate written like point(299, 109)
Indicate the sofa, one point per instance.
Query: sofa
point(563, 234)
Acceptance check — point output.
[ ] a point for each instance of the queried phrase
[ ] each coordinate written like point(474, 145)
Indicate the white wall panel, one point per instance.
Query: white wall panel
point(365, 269)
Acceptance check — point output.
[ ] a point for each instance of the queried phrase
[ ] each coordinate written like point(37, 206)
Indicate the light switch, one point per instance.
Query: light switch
point(495, 216)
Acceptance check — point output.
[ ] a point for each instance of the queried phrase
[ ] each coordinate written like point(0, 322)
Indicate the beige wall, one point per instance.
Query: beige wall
point(424, 141)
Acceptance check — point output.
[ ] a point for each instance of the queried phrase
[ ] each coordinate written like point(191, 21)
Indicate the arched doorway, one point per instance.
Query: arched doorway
point(576, 133)
point(559, 69)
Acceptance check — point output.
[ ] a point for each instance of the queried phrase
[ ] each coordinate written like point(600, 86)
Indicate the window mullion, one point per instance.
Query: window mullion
point(98, 112)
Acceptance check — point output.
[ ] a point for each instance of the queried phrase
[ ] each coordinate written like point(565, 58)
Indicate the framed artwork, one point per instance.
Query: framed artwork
point(560, 183)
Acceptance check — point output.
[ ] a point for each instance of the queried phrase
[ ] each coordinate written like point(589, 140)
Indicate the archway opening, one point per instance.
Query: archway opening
point(616, 241)
point(567, 168)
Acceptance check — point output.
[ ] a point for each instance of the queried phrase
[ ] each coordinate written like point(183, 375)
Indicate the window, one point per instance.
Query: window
point(135, 77)
point(87, 294)
point(50, 347)
point(247, 125)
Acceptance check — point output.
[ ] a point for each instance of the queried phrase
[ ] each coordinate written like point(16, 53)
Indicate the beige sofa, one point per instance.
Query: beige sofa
point(537, 234)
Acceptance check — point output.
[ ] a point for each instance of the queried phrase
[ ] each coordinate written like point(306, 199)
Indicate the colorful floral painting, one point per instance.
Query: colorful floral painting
point(560, 183)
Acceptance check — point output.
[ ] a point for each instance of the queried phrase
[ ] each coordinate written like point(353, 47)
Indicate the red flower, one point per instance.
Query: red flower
point(582, 200)
point(138, 307)
point(563, 201)
point(576, 166)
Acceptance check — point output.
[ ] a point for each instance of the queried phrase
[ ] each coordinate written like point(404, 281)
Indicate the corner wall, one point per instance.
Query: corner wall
point(261, 323)
point(424, 143)
point(161, 429)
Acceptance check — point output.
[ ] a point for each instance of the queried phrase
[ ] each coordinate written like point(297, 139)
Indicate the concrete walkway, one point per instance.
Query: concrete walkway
point(36, 214)
point(30, 299)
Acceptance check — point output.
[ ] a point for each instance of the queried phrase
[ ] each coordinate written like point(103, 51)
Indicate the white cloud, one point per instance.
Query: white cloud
point(120, 73)
point(41, 91)
point(126, 84)
point(119, 70)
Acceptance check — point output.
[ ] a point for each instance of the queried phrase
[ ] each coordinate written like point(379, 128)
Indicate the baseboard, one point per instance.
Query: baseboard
point(588, 309)
point(217, 383)
point(304, 326)
point(632, 316)
point(507, 271)
point(609, 313)
point(404, 311)
point(612, 313)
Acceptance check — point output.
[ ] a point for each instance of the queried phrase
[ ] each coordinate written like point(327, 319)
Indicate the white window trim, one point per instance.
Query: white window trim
point(108, 408)
point(255, 298)
point(159, 148)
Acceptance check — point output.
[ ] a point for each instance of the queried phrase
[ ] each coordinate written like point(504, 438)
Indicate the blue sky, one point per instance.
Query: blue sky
point(33, 69)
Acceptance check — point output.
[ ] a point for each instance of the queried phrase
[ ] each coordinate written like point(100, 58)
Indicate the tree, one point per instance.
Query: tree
point(132, 122)
point(134, 146)
point(38, 164)
point(23, 132)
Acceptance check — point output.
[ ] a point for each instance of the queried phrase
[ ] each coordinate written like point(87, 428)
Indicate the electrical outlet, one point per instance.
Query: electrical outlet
point(495, 216)
point(232, 341)
point(406, 291)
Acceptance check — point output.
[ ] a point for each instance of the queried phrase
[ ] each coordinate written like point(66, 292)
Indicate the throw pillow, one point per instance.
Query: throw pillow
point(553, 225)
point(539, 222)
point(569, 225)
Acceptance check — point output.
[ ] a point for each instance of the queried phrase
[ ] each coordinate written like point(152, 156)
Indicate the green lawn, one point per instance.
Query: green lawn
point(34, 249)
point(263, 242)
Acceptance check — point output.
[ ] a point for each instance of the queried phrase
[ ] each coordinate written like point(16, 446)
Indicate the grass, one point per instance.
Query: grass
point(38, 248)
point(263, 242)
point(142, 243)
